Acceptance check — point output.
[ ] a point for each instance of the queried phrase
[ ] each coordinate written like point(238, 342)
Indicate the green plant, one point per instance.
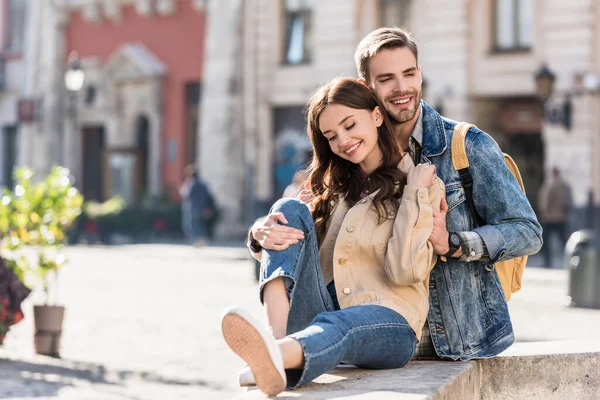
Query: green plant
point(33, 222)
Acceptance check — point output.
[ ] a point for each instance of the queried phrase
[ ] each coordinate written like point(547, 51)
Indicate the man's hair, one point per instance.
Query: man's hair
point(380, 39)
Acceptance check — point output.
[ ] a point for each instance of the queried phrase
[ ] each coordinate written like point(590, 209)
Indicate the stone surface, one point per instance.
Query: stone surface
point(547, 370)
point(418, 380)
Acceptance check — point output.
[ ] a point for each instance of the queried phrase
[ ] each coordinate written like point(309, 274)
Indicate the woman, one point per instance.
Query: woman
point(354, 288)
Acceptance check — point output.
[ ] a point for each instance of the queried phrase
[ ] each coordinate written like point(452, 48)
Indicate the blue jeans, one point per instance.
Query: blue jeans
point(192, 223)
point(368, 336)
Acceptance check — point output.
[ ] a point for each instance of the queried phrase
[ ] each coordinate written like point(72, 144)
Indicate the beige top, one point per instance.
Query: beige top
point(386, 264)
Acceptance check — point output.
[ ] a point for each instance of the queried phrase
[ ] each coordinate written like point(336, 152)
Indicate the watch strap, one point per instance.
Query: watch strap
point(452, 249)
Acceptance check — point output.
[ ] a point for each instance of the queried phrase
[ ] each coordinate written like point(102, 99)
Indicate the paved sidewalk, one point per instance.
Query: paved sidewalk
point(142, 322)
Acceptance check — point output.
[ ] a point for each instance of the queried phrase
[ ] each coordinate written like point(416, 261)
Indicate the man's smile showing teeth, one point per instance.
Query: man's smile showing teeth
point(400, 102)
point(352, 149)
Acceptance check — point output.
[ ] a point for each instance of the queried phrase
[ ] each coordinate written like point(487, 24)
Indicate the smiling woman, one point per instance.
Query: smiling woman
point(358, 258)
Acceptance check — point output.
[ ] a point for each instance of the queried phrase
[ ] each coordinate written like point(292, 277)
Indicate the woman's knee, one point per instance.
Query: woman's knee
point(296, 212)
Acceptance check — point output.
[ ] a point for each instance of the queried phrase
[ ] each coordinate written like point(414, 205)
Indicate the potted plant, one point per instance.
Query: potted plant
point(33, 221)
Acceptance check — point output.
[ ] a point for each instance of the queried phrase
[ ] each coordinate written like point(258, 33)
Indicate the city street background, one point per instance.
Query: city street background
point(143, 322)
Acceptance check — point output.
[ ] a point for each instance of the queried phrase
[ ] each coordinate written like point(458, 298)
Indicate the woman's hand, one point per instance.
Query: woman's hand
point(273, 236)
point(422, 176)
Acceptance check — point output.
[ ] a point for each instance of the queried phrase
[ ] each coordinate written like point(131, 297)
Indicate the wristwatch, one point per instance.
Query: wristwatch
point(254, 245)
point(454, 242)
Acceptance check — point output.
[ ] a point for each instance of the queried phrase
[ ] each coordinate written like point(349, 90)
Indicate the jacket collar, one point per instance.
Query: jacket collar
point(434, 134)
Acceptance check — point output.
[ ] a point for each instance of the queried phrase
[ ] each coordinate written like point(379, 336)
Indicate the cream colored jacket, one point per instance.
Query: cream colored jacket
point(386, 264)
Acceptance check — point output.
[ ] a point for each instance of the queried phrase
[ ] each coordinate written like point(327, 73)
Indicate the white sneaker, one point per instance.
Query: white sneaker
point(246, 377)
point(255, 345)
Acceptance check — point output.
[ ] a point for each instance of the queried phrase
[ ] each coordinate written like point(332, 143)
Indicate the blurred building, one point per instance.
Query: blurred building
point(479, 60)
point(14, 28)
point(129, 126)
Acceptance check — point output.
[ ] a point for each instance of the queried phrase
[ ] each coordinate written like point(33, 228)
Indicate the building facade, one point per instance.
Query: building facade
point(132, 127)
point(13, 64)
point(479, 60)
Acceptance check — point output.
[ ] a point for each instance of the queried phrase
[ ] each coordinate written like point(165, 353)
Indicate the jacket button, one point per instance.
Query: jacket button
point(473, 253)
point(346, 290)
point(350, 228)
point(342, 261)
point(391, 213)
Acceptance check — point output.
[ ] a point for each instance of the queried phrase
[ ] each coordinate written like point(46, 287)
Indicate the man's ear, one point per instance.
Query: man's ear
point(364, 82)
point(378, 116)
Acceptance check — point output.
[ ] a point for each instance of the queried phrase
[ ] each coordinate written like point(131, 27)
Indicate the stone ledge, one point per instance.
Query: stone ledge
point(544, 370)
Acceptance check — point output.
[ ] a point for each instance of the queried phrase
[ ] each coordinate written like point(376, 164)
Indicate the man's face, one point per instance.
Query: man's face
point(396, 79)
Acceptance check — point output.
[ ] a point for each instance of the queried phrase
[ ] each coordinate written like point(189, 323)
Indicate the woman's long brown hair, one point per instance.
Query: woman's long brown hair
point(332, 177)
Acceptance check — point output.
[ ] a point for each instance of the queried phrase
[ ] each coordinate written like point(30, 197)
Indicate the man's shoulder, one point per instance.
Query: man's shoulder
point(450, 124)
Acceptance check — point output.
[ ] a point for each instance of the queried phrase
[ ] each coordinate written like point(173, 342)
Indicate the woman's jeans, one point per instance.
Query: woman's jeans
point(368, 336)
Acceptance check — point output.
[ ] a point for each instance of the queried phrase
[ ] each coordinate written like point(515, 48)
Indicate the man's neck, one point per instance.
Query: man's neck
point(403, 131)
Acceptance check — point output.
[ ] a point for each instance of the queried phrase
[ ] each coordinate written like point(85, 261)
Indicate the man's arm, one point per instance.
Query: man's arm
point(512, 229)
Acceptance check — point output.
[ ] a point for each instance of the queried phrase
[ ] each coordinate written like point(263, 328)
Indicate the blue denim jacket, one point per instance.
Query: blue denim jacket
point(468, 315)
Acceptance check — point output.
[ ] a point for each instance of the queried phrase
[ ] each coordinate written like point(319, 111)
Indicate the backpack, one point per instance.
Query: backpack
point(510, 271)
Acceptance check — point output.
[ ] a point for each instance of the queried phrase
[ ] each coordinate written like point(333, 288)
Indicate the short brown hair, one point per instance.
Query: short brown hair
point(379, 39)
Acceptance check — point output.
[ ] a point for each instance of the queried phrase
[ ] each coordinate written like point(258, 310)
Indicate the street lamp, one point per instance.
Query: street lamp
point(553, 113)
point(74, 75)
point(74, 79)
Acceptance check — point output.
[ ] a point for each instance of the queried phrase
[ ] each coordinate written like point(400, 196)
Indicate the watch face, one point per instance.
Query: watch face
point(455, 240)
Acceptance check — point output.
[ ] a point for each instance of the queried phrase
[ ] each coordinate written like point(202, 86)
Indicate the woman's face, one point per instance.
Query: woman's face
point(352, 134)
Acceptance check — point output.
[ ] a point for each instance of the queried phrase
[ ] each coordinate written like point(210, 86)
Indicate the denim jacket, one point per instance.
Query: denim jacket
point(468, 316)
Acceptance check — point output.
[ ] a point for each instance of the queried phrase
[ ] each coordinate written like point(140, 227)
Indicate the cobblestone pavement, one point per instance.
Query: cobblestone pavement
point(142, 322)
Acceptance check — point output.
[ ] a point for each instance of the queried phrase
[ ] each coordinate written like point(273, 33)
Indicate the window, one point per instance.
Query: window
point(298, 27)
point(394, 13)
point(16, 25)
point(192, 119)
point(513, 25)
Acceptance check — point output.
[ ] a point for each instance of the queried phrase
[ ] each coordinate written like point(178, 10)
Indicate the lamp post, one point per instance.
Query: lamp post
point(74, 79)
point(553, 113)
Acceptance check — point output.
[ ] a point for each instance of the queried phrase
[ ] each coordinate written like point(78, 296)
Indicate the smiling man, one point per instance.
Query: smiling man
point(468, 316)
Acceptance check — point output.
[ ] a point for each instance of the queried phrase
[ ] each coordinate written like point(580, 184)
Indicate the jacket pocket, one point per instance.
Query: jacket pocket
point(455, 195)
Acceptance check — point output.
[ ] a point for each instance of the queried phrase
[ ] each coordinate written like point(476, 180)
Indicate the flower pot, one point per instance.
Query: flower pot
point(48, 321)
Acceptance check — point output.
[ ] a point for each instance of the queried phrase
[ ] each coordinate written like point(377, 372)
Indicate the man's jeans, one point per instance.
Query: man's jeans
point(560, 228)
point(368, 336)
point(192, 223)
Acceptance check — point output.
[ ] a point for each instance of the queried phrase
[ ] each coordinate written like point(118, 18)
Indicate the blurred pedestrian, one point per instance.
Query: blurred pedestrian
point(294, 188)
point(554, 205)
point(197, 206)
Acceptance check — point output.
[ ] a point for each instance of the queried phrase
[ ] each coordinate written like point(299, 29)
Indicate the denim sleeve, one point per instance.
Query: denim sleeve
point(512, 229)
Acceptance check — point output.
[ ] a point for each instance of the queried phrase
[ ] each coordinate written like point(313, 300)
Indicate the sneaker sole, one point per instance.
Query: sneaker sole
point(247, 343)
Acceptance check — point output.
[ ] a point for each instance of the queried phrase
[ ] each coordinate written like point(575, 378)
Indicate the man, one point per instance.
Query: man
point(554, 206)
point(197, 205)
point(468, 316)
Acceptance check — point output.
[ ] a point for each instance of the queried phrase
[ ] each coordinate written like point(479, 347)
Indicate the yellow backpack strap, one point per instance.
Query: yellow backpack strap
point(459, 153)
point(461, 165)
point(512, 166)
